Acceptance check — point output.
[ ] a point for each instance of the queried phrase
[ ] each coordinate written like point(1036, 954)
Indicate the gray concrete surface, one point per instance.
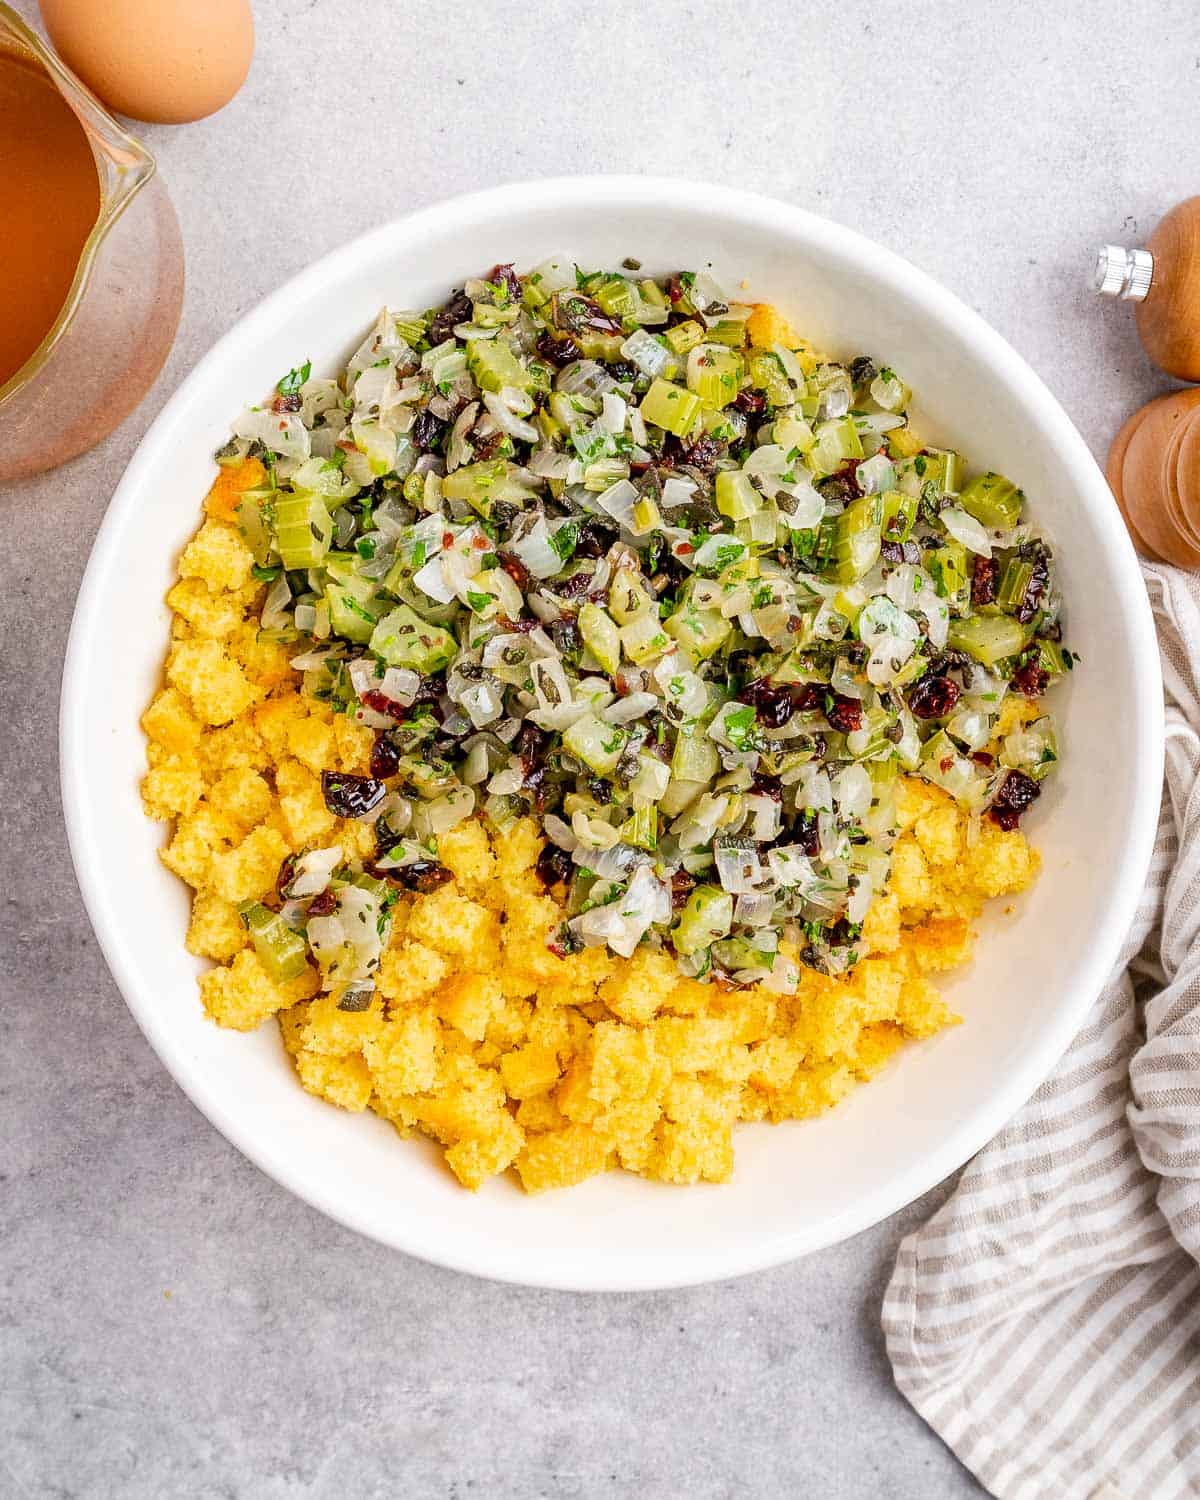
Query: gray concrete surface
point(172, 1323)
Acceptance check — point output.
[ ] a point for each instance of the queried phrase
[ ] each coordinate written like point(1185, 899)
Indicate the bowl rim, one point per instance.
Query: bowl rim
point(962, 1139)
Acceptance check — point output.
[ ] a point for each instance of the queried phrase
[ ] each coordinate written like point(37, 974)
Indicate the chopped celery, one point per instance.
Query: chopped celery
point(646, 517)
point(596, 743)
point(354, 608)
point(484, 484)
point(988, 638)
point(404, 639)
point(1051, 658)
point(652, 293)
point(282, 952)
point(493, 365)
point(793, 434)
point(707, 916)
point(947, 566)
point(856, 540)
point(700, 631)
point(252, 523)
point(303, 530)
point(641, 829)
point(903, 443)
point(645, 639)
point(695, 757)
point(1014, 583)
point(715, 374)
point(685, 336)
point(594, 345)
point(617, 297)
point(671, 407)
point(628, 597)
point(766, 374)
point(836, 441)
point(899, 515)
point(601, 636)
point(736, 496)
point(993, 500)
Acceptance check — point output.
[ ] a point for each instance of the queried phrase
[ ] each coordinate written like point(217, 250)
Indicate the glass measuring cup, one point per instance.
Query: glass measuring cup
point(108, 342)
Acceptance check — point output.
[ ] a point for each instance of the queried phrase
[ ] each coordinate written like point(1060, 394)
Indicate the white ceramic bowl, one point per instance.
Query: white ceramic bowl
point(797, 1187)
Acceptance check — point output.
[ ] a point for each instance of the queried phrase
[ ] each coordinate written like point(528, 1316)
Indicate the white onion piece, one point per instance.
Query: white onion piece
point(431, 580)
point(310, 661)
point(738, 868)
point(536, 550)
point(784, 978)
point(677, 491)
point(282, 432)
point(852, 792)
point(559, 832)
point(313, 870)
point(967, 530)
point(618, 502)
point(508, 422)
point(363, 676)
point(625, 710)
point(401, 684)
point(754, 909)
point(274, 610)
point(644, 350)
point(613, 412)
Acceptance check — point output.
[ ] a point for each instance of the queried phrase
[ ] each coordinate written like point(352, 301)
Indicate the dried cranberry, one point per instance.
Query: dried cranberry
point(558, 352)
point(521, 626)
point(600, 790)
point(751, 402)
point(506, 274)
point(676, 290)
point(842, 485)
point(593, 541)
point(891, 552)
point(985, 579)
point(422, 875)
point(575, 586)
point(773, 706)
point(427, 431)
point(553, 866)
point(767, 786)
point(385, 758)
point(323, 904)
point(348, 796)
point(982, 758)
point(287, 403)
point(682, 885)
point(933, 697)
point(380, 703)
point(844, 714)
point(531, 743)
point(516, 570)
point(806, 833)
point(287, 873)
point(703, 453)
point(1031, 679)
point(457, 310)
point(1016, 793)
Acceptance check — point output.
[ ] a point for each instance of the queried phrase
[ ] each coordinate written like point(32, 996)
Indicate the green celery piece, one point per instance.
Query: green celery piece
point(1014, 584)
point(1050, 657)
point(617, 297)
point(701, 631)
point(601, 636)
point(493, 365)
point(695, 757)
point(988, 638)
point(644, 639)
point(766, 374)
point(856, 540)
point(303, 530)
point(404, 639)
point(715, 374)
point(836, 441)
point(596, 345)
point(354, 608)
point(899, 515)
point(627, 596)
point(482, 485)
point(671, 407)
point(685, 336)
point(282, 952)
point(993, 500)
point(641, 829)
point(253, 525)
point(736, 496)
point(652, 293)
point(947, 566)
point(707, 917)
point(596, 743)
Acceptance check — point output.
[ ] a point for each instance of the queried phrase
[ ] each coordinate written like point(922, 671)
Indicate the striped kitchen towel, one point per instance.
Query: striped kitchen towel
point(1046, 1321)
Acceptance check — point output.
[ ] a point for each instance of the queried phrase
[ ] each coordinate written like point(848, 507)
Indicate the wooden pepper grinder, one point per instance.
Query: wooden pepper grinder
point(1154, 462)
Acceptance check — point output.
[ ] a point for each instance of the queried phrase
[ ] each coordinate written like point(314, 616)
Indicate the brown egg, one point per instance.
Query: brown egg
point(165, 61)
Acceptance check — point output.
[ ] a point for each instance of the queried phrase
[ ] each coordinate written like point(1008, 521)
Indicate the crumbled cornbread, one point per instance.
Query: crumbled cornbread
point(478, 1035)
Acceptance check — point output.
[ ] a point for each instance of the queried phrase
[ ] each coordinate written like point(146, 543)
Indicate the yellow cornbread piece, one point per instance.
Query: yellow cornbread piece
point(478, 1035)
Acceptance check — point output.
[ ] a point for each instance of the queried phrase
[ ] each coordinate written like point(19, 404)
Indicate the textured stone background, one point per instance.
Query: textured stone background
point(172, 1323)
